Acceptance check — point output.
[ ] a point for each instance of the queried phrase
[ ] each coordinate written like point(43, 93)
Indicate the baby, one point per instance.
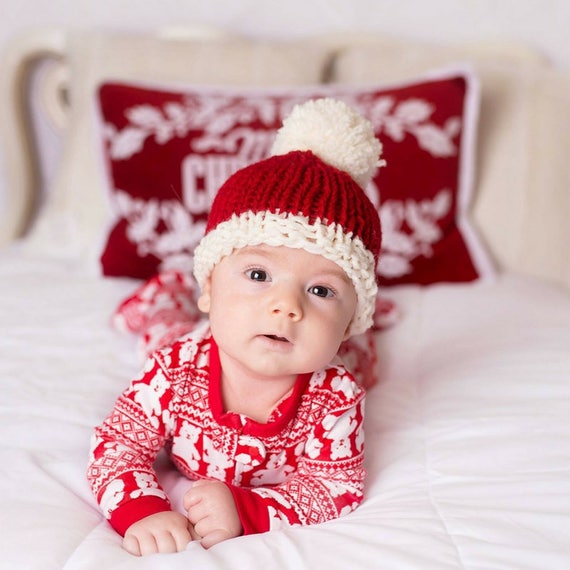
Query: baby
point(252, 406)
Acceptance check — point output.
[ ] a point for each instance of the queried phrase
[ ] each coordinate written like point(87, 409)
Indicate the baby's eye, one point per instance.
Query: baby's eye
point(257, 275)
point(321, 291)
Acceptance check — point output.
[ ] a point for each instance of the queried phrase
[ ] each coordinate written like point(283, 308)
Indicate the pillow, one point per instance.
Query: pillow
point(168, 150)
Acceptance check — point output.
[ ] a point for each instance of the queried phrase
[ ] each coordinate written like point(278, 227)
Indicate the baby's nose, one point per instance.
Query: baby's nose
point(288, 304)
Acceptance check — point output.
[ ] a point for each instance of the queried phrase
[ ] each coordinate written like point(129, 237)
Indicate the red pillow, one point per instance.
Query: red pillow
point(169, 150)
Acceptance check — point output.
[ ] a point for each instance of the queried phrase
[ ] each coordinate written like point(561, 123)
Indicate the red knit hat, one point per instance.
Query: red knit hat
point(309, 195)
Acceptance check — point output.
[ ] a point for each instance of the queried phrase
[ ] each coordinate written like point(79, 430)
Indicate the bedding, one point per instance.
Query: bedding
point(467, 449)
point(468, 423)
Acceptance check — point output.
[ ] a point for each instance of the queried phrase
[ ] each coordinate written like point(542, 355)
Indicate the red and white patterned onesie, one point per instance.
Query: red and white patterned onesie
point(304, 466)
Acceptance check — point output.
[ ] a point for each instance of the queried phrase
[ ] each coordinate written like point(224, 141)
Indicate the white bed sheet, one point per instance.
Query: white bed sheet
point(468, 432)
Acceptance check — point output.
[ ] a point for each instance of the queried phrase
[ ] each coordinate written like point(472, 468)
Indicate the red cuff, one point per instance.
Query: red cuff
point(135, 510)
point(252, 510)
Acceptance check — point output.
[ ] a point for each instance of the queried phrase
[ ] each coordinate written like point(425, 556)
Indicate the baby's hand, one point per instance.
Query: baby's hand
point(162, 532)
point(212, 511)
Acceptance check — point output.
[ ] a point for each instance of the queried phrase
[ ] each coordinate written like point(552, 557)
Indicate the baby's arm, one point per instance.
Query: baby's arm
point(162, 532)
point(124, 449)
point(213, 512)
point(329, 480)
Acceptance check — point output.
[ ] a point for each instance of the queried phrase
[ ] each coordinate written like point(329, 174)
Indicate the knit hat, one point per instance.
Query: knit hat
point(310, 195)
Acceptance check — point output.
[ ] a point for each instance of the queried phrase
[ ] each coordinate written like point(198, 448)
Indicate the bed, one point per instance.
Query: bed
point(468, 414)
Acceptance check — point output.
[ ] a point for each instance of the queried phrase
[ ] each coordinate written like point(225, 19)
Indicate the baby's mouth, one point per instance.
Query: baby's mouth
point(277, 338)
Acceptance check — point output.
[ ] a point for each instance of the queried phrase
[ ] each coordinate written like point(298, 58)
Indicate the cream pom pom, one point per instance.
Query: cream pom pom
point(334, 132)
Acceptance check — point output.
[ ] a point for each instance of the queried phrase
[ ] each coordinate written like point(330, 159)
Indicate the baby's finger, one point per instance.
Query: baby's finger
point(194, 535)
point(131, 545)
point(191, 497)
point(214, 537)
point(166, 542)
point(182, 538)
point(148, 545)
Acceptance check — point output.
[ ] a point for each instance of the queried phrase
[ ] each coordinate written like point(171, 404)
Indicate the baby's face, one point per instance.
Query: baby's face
point(278, 311)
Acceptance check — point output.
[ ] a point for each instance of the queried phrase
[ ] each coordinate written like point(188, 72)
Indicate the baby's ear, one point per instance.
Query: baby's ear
point(204, 298)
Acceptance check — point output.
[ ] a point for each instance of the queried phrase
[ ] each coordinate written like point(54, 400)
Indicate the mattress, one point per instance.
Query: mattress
point(467, 432)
